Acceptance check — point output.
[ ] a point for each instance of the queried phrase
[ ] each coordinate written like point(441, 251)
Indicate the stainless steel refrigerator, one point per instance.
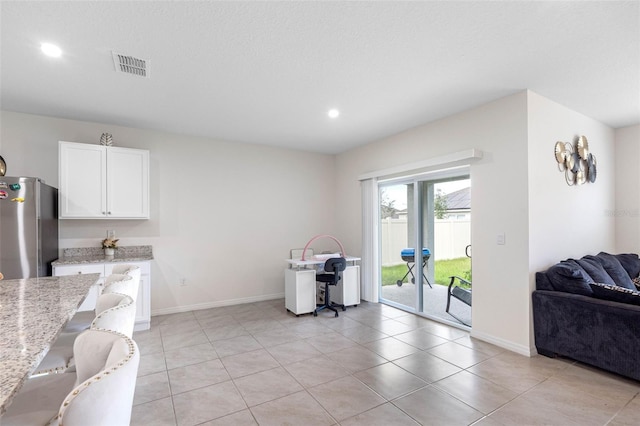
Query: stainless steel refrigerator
point(28, 227)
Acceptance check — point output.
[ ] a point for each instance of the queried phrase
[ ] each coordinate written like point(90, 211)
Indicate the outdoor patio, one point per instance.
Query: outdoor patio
point(435, 301)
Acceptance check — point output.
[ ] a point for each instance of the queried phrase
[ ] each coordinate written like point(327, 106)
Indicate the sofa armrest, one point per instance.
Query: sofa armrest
point(598, 332)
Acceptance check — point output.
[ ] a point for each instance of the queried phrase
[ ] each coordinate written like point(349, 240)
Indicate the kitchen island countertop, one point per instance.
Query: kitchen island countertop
point(33, 313)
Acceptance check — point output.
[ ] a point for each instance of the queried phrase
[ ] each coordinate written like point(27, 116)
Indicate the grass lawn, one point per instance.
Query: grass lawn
point(444, 269)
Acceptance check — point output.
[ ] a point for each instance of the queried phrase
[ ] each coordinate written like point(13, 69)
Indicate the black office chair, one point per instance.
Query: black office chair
point(335, 265)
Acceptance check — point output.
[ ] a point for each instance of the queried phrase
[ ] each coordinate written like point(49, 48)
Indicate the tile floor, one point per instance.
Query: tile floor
point(374, 365)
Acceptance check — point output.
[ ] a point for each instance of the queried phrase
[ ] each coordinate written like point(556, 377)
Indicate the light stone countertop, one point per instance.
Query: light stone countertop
point(77, 256)
point(33, 312)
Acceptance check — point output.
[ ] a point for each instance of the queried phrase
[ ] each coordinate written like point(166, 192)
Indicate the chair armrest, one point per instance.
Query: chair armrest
point(462, 280)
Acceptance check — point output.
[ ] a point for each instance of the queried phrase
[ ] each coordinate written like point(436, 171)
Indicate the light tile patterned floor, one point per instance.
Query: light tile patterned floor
point(374, 365)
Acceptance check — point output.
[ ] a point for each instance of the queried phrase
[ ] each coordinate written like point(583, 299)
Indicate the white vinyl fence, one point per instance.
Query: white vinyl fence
point(451, 239)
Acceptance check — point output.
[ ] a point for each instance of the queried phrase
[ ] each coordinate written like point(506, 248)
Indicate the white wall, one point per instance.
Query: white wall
point(627, 171)
point(567, 221)
point(516, 190)
point(499, 179)
point(516, 187)
point(223, 215)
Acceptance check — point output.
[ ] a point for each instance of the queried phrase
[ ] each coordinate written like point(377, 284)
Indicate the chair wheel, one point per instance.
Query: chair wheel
point(336, 315)
point(344, 308)
point(315, 314)
point(399, 282)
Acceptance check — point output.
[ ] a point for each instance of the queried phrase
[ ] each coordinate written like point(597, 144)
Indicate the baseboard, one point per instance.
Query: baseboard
point(217, 304)
point(142, 326)
point(519, 349)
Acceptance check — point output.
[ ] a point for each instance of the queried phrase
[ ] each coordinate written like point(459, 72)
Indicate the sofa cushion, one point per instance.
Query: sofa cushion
point(569, 277)
point(636, 282)
point(615, 270)
point(615, 293)
point(595, 270)
point(630, 262)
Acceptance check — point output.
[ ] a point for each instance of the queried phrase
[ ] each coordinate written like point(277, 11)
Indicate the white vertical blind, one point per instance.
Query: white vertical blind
point(369, 281)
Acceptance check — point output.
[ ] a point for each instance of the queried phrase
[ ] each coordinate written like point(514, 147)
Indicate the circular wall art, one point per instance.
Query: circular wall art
point(578, 164)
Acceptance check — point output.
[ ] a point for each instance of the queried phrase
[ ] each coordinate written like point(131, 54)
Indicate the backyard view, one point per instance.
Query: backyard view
point(439, 213)
point(443, 270)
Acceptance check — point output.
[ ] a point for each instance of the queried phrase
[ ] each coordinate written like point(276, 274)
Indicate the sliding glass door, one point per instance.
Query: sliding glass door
point(397, 240)
point(424, 231)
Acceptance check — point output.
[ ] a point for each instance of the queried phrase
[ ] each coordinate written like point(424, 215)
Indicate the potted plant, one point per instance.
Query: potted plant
point(109, 245)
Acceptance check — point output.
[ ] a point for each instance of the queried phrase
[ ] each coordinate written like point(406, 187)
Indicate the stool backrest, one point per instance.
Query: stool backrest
point(121, 283)
point(115, 312)
point(126, 269)
point(106, 366)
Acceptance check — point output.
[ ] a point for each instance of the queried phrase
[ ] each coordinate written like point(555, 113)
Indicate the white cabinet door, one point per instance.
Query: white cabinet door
point(100, 182)
point(300, 290)
point(82, 179)
point(347, 290)
point(127, 183)
point(89, 303)
point(143, 304)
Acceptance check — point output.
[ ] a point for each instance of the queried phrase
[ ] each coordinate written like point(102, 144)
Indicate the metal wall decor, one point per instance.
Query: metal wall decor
point(578, 164)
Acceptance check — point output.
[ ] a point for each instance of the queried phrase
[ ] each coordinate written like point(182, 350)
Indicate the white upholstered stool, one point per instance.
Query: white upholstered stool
point(99, 393)
point(116, 312)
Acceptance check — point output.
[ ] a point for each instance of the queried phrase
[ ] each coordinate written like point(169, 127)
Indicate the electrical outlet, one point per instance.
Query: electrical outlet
point(183, 282)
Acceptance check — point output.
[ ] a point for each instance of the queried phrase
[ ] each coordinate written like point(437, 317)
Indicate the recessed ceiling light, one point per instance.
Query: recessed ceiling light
point(333, 113)
point(51, 50)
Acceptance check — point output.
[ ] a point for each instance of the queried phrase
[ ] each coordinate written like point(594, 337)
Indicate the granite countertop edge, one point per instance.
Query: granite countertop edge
point(85, 255)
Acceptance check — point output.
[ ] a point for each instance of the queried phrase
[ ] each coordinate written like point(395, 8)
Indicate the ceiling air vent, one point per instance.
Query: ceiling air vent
point(130, 64)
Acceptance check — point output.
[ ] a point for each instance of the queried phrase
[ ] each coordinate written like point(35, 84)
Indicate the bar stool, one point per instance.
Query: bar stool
point(99, 393)
point(116, 312)
point(82, 320)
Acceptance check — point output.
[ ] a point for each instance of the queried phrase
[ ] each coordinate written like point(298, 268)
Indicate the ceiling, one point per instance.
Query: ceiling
point(268, 72)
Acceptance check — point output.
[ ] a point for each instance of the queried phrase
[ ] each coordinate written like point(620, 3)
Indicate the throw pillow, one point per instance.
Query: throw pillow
point(615, 293)
point(630, 262)
point(636, 282)
point(615, 270)
point(569, 277)
point(595, 270)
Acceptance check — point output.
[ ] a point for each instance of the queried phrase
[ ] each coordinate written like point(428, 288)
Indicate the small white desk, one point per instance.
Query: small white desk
point(300, 284)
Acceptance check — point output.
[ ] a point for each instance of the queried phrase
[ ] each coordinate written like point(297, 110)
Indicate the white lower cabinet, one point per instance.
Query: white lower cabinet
point(300, 290)
point(347, 291)
point(301, 293)
point(143, 302)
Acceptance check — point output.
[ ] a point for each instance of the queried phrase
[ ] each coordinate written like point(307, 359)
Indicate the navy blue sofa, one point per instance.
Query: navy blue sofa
point(588, 310)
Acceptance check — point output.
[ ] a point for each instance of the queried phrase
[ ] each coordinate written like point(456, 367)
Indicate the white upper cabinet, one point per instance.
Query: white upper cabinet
point(127, 183)
point(103, 182)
